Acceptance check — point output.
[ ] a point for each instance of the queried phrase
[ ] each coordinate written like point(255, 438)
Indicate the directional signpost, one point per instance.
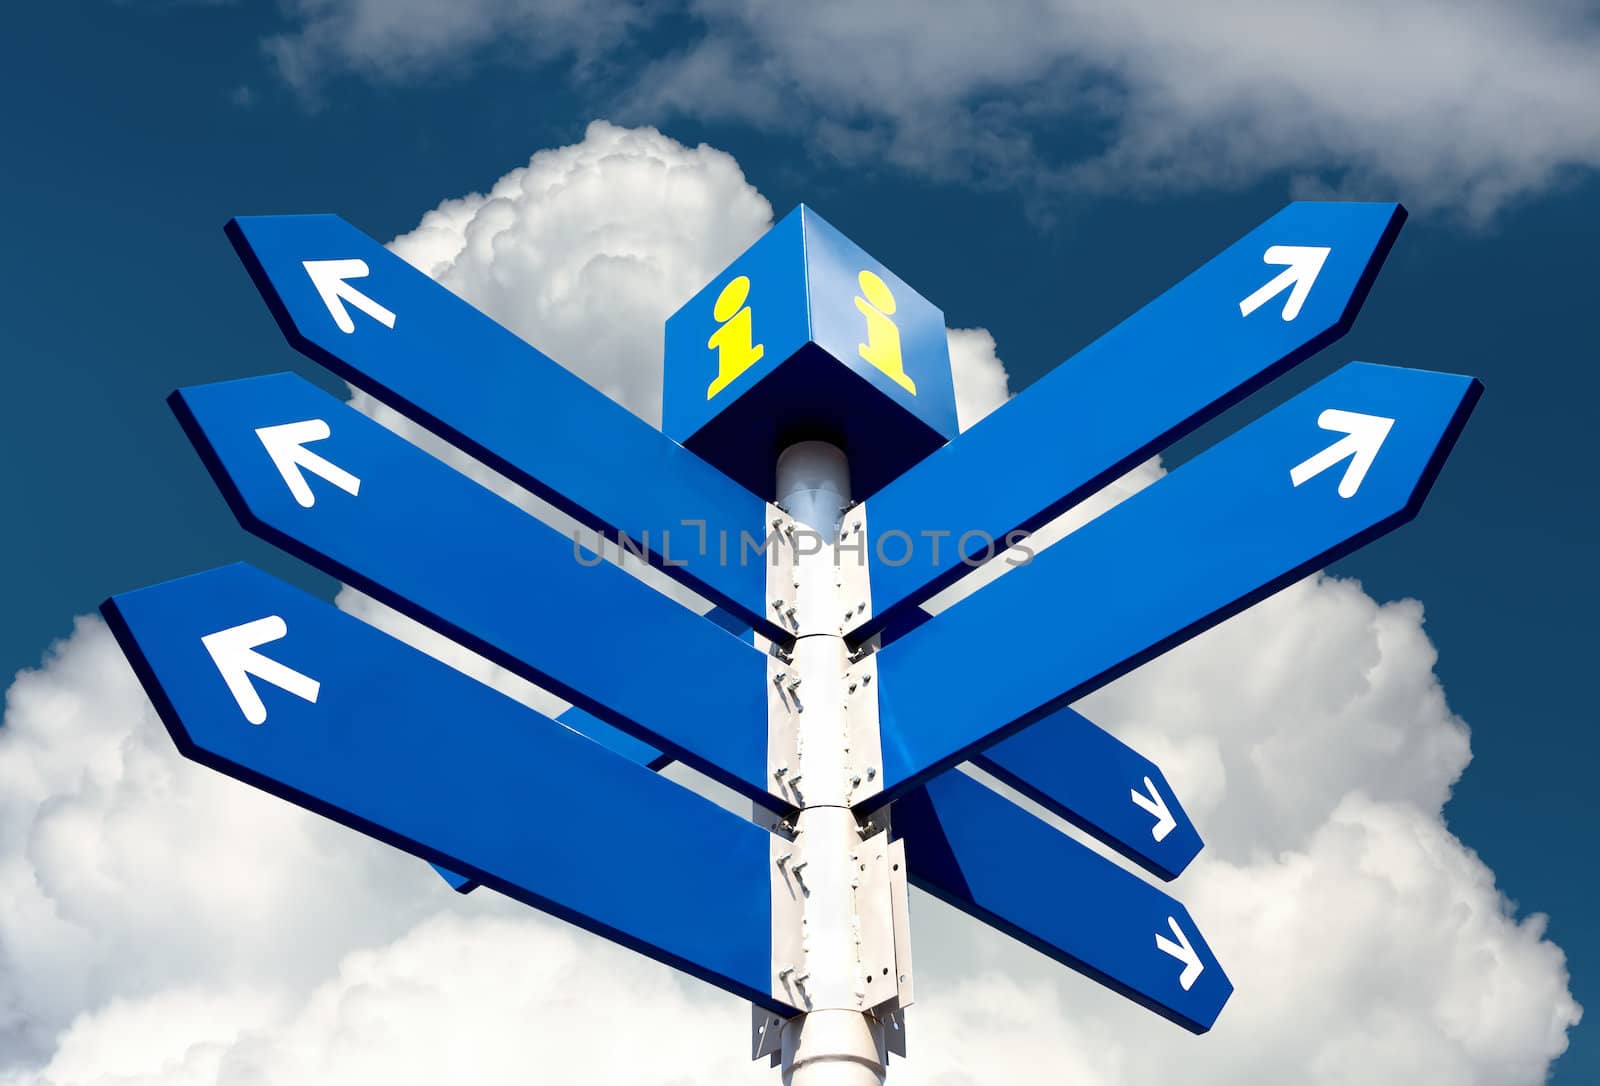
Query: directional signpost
point(1241, 520)
point(353, 306)
point(808, 472)
point(1102, 786)
point(331, 486)
point(271, 686)
point(965, 845)
point(1220, 334)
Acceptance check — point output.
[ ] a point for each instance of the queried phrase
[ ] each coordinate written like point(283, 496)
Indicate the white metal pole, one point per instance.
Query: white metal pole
point(834, 1043)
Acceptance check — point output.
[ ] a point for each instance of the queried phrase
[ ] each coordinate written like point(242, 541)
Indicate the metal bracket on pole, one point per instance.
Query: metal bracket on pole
point(900, 899)
point(891, 1013)
point(879, 954)
point(789, 973)
point(891, 1019)
point(853, 581)
point(857, 691)
point(864, 750)
point(784, 706)
point(873, 927)
point(852, 573)
point(782, 585)
point(766, 1035)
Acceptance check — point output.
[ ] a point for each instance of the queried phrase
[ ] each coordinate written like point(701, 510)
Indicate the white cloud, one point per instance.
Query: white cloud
point(393, 39)
point(127, 872)
point(1338, 698)
point(1465, 104)
point(980, 376)
point(1437, 102)
point(483, 999)
point(589, 248)
point(164, 924)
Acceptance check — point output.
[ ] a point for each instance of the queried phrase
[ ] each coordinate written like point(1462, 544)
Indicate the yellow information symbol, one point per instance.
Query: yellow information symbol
point(882, 347)
point(732, 339)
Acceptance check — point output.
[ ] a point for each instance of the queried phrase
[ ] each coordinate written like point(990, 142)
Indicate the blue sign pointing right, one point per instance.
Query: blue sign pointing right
point(1342, 463)
point(1101, 785)
point(978, 851)
point(1278, 295)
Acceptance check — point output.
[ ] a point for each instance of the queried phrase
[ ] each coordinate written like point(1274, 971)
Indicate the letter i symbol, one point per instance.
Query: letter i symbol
point(732, 339)
point(882, 347)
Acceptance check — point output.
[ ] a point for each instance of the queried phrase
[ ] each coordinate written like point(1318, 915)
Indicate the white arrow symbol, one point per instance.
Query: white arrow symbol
point(329, 276)
point(286, 445)
point(234, 652)
point(1183, 952)
point(1305, 264)
point(1365, 435)
point(1151, 801)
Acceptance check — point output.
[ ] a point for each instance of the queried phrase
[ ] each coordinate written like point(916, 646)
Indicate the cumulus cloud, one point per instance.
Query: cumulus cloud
point(128, 874)
point(588, 249)
point(1465, 104)
point(980, 377)
point(164, 924)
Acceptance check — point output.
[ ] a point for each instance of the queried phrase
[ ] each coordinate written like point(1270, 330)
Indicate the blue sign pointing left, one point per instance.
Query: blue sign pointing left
point(620, 743)
point(331, 486)
point(260, 681)
point(348, 303)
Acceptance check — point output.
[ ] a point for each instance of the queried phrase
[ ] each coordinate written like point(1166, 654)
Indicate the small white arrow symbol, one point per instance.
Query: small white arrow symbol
point(1183, 952)
point(1150, 799)
point(329, 276)
point(234, 652)
point(286, 445)
point(1305, 264)
point(1365, 435)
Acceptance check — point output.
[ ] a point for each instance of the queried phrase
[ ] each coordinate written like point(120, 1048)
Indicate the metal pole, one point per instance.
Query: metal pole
point(833, 1043)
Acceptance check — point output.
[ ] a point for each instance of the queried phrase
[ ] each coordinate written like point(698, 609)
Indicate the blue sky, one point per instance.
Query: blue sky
point(1042, 210)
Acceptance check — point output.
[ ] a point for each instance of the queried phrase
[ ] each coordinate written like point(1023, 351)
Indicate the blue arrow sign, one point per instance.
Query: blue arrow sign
point(1274, 298)
point(978, 851)
point(1101, 785)
point(591, 726)
point(348, 303)
point(1063, 762)
point(331, 486)
point(270, 686)
point(1342, 463)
